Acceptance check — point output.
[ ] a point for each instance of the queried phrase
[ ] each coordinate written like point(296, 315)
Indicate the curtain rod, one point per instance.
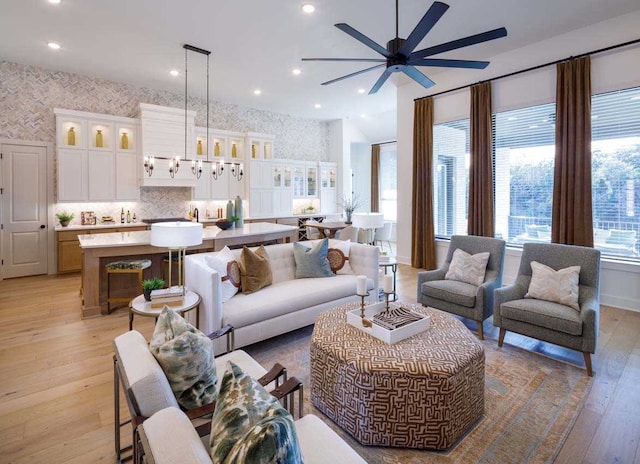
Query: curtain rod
point(385, 143)
point(533, 68)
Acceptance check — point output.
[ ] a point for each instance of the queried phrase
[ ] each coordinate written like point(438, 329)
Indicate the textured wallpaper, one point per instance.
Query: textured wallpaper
point(28, 95)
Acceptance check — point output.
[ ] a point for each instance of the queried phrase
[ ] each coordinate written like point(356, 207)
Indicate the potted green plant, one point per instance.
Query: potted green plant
point(64, 218)
point(149, 285)
point(349, 204)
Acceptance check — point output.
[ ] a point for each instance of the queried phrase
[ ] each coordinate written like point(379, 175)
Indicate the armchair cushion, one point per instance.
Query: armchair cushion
point(186, 357)
point(558, 286)
point(312, 261)
point(468, 268)
point(460, 293)
point(255, 270)
point(250, 425)
point(543, 313)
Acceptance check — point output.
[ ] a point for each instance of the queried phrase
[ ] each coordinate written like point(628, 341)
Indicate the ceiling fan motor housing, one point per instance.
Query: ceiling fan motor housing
point(397, 62)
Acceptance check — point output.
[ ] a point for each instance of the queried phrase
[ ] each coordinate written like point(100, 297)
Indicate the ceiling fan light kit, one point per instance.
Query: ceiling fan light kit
point(399, 55)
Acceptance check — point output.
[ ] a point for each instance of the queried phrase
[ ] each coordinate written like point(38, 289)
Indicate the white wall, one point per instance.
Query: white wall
point(620, 283)
point(343, 134)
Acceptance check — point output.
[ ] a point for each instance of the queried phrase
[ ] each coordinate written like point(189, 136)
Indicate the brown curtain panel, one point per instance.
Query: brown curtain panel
point(481, 214)
point(423, 245)
point(375, 178)
point(572, 219)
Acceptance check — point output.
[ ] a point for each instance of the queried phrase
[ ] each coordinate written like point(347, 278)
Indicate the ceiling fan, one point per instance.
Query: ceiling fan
point(399, 56)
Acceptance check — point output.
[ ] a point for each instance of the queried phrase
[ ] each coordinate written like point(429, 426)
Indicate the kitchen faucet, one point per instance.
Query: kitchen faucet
point(196, 215)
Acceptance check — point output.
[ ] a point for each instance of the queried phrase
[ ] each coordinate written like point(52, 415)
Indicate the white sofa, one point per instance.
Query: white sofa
point(287, 304)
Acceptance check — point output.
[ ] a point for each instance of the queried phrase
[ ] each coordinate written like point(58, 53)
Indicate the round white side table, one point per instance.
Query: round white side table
point(141, 307)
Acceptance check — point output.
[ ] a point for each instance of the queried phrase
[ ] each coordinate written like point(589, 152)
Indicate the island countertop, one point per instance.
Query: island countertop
point(117, 245)
point(143, 237)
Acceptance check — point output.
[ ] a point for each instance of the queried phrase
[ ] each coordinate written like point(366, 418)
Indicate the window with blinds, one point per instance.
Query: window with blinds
point(451, 177)
point(524, 151)
point(615, 147)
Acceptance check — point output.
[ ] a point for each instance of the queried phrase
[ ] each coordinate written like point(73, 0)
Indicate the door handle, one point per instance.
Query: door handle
point(42, 226)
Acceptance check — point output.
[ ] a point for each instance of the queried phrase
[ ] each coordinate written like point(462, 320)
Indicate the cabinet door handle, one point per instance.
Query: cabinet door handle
point(42, 226)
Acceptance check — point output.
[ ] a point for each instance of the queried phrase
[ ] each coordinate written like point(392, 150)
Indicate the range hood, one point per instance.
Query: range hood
point(162, 136)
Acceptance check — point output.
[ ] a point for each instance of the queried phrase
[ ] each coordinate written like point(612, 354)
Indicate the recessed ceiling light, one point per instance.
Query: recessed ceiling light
point(317, 105)
point(53, 46)
point(54, 1)
point(174, 72)
point(363, 116)
point(257, 91)
point(296, 71)
point(361, 90)
point(308, 8)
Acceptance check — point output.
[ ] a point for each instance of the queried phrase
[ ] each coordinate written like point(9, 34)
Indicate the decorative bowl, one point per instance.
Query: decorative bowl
point(224, 224)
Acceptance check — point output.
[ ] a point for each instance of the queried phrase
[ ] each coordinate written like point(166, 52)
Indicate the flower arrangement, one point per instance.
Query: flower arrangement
point(349, 204)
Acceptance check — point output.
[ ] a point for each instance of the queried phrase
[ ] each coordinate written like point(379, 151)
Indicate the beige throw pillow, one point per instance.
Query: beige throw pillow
point(255, 270)
point(468, 268)
point(557, 286)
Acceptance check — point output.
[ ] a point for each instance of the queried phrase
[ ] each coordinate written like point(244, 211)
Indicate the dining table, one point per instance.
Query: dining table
point(330, 228)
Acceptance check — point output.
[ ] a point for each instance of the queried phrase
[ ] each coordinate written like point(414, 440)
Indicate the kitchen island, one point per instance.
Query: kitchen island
point(99, 249)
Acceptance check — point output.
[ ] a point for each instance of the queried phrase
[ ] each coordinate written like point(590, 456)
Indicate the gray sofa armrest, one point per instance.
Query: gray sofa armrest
point(590, 315)
point(425, 276)
point(502, 295)
point(485, 294)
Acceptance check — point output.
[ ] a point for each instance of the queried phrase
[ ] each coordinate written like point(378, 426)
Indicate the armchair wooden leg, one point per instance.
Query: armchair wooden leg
point(480, 330)
point(587, 363)
point(501, 336)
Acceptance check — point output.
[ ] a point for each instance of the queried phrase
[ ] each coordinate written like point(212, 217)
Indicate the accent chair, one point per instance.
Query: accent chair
point(547, 320)
point(465, 299)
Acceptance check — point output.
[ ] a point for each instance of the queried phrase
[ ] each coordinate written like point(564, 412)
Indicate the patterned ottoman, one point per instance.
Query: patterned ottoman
point(423, 392)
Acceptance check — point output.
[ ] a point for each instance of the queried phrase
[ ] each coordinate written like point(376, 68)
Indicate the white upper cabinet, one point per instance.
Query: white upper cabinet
point(92, 163)
point(259, 146)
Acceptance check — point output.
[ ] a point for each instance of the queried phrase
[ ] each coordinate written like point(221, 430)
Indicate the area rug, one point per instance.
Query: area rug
point(531, 403)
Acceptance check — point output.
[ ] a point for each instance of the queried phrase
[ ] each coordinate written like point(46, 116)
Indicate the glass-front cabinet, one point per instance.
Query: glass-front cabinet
point(299, 182)
point(312, 181)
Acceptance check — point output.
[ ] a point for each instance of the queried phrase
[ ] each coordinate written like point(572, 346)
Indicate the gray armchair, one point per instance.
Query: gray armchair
point(545, 320)
point(463, 299)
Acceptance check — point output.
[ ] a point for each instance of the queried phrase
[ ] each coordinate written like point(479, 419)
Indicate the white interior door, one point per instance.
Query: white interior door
point(24, 210)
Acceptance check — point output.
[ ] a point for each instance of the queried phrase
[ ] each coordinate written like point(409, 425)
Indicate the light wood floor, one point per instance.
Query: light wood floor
point(56, 380)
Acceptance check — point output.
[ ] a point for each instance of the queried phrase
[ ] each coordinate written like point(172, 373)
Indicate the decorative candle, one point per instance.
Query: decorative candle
point(361, 285)
point(387, 284)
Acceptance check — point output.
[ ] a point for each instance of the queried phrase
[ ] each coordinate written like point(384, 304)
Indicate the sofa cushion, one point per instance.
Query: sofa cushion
point(287, 297)
point(557, 286)
point(468, 268)
point(460, 293)
point(225, 264)
point(255, 270)
point(320, 444)
point(543, 313)
point(312, 261)
point(250, 425)
point(170, 437)
point(186, 357)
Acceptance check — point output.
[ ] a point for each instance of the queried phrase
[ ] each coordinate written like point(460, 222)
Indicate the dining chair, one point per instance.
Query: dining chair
point(383, 234)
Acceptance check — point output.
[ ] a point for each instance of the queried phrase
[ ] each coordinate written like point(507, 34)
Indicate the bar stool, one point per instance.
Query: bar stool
point(131, 266)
